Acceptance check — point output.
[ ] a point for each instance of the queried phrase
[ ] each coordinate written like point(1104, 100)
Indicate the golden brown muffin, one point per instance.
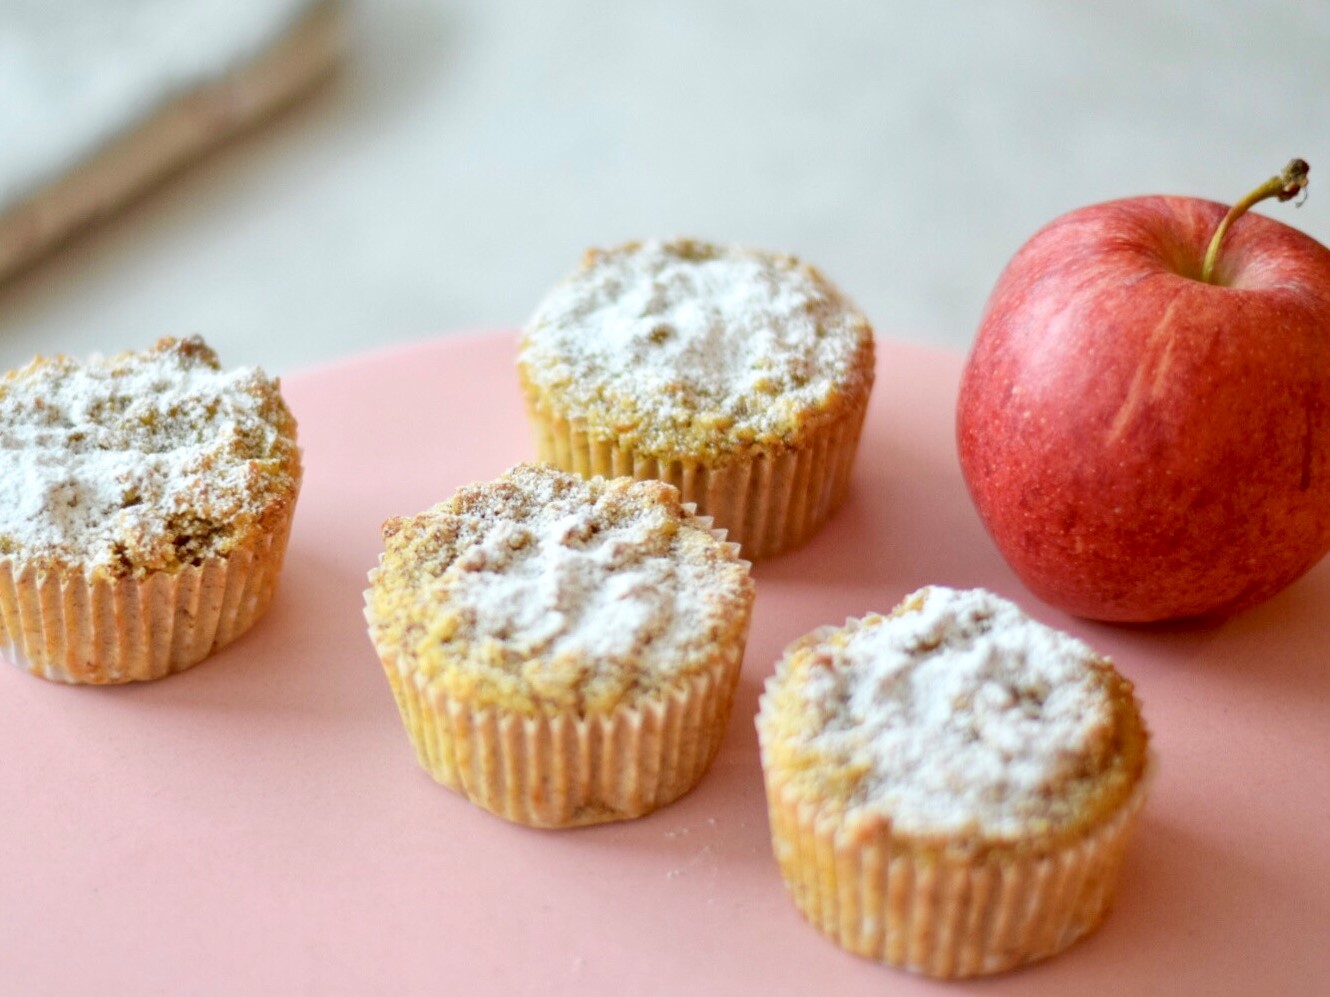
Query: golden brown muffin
point(145, 505)
point(562, 651)
point(951, 787)
point(741, 377)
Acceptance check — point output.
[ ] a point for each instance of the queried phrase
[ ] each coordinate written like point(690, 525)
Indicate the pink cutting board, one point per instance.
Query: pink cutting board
point(259, 824)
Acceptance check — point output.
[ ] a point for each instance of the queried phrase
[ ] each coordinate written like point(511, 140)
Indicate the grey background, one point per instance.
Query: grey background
point(469, 151)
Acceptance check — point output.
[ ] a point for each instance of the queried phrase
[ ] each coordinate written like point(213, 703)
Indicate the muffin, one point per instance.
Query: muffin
point(740, 377)
point(145, 505)
point(562, 651)
point(951, 787)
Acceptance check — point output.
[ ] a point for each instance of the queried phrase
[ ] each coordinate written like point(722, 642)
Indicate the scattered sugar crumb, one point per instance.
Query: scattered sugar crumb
point(691, 863)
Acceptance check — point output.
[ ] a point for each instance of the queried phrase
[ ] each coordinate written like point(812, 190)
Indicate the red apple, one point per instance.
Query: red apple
point(1143, 444)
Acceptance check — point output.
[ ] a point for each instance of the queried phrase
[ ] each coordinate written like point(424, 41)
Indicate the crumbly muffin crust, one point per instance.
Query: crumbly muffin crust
point(542, 592)
point(956, 718)
point(688, 349)
point(146, 461)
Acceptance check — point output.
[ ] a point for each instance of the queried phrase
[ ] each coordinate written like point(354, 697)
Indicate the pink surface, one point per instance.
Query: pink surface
point(259, 824)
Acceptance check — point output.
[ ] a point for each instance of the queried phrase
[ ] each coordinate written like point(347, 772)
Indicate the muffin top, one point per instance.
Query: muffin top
point(955, 716)
point(141, 462)
point(685, 348)
point(542, 592)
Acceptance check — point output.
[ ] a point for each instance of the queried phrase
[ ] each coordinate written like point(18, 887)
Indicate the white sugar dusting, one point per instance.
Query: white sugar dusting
point(964, 712)
point(662, 333)
point(103, 460)
point(555, 573)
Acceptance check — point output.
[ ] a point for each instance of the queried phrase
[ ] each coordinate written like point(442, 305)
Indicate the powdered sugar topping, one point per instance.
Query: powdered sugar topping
point(962, 713)
point(668, 340)
point(143, 461)
point(559, 591)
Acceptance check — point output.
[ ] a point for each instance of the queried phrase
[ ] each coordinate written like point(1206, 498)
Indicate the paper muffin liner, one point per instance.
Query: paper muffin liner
point(71, 626)
point(769, 503)
point(938, 909)
point(566, 770)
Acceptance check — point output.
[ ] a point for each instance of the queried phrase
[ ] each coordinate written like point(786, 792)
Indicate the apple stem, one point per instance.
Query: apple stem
point(1288, 184)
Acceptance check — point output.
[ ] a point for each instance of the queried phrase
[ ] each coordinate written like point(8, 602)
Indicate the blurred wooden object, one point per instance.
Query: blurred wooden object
point(186, 120)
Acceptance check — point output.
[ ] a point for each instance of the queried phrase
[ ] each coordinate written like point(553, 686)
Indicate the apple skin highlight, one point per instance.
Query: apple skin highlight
point(1141, 445)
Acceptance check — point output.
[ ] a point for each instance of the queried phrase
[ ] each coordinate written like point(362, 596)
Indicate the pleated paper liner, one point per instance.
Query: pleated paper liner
point(568, 770)
point(943, 912)
point(69, 627)
point(768, 503)
point(565, 770)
